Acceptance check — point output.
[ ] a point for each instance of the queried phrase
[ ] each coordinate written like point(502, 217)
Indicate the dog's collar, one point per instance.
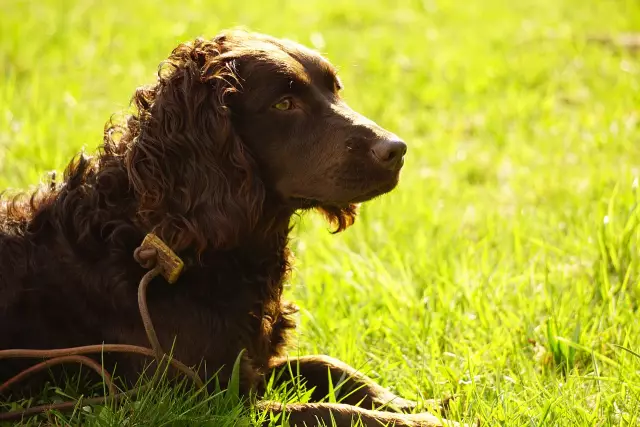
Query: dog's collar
point(153, 252)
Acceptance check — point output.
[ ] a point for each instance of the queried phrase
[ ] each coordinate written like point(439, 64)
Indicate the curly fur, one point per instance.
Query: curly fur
point(186, 166)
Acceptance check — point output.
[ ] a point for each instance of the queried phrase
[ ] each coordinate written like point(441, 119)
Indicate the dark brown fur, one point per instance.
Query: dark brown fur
point(210, 165)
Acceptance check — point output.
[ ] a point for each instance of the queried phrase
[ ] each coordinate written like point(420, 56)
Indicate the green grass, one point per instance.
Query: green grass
point(505, 268)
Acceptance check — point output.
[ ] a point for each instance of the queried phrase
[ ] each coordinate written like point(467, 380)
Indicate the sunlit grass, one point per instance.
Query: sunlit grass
point(505, 267)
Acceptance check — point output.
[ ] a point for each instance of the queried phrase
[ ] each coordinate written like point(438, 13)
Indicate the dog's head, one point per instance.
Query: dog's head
point(244, 123)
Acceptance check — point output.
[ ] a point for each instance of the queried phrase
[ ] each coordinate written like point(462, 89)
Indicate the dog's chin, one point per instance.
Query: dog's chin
point(377, 191)
point(302, 202)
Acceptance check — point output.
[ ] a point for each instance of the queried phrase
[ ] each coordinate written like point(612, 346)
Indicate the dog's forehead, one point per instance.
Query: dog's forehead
point(313, 61)
point(292, 57)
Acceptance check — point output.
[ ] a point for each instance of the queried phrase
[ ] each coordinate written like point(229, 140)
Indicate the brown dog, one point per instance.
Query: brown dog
point(238, 134)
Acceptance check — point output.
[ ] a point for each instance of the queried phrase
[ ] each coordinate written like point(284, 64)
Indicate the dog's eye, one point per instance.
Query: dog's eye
point(284, 105)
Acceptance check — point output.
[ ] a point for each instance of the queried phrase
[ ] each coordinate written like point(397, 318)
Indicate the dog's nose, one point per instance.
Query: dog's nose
point(389, 153)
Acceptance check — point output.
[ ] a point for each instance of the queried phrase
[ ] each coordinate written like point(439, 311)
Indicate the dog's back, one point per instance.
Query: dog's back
point(14, 261)
point(15, 258)
point(46, 295)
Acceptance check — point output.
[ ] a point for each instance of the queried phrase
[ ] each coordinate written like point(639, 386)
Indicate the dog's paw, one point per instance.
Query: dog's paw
point(440, 406)
point(402, 405)
point(426, 419)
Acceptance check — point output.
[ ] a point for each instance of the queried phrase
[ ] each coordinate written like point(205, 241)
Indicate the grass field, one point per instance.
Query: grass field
point(504, 269)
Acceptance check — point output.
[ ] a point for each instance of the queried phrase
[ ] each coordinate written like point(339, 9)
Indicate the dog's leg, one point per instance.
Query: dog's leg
point(352, 387)
point(342, 415)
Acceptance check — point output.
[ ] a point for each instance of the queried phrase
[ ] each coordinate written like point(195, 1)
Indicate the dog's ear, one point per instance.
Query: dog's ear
point(194, 181)
point(341, 217)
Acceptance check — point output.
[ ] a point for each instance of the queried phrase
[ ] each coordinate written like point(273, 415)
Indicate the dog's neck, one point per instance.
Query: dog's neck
point(269, 239)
